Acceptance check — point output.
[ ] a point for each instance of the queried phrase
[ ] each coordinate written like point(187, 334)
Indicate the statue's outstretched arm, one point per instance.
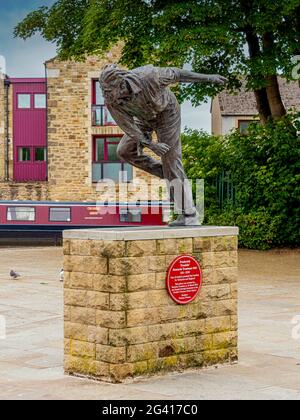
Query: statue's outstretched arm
point(171, 75)
point(186, 76)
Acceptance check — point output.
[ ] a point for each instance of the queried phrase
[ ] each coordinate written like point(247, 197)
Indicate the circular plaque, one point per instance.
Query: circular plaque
point(184, 279)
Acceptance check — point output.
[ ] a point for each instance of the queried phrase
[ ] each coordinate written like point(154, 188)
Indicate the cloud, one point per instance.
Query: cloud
point(197, 118)
point(23, 58)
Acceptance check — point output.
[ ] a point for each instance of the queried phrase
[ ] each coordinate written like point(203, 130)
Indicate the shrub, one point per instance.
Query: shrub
point(264, 167)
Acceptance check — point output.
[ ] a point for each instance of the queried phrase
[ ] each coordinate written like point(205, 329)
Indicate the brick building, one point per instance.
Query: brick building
point(57, 139)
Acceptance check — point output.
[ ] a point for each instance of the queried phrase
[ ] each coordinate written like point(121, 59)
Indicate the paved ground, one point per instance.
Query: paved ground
point(31, 356)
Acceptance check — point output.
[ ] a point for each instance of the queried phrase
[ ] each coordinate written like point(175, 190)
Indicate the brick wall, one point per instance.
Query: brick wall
point(70, 134)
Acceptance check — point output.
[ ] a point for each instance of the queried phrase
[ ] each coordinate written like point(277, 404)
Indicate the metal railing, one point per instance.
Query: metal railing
point(101, 116)
point(226, 190)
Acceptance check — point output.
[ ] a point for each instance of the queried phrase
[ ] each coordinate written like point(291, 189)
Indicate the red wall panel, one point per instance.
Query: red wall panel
point(29, 130)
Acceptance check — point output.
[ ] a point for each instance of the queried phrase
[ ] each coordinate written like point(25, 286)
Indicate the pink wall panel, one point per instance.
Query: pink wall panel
point(29, 130)
point(24, 172)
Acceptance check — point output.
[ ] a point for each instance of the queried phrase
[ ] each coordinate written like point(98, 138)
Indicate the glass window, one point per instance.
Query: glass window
point(60, 214)
point(112, 171)
point(24, 101)
point(127, 172)
point(24, 154)
point(40, 154)
point(136, 216)
point(101, 116)
point(40, 101)
point(97, 115)
point(112, 152)
point(97, 172)
point(124, 216)
point(108, 118)
point(106, 149)
point(100, 154)
point(99, 100)
point(107, 164)
point(130, 216)
point(244, 125)
point(21, 214)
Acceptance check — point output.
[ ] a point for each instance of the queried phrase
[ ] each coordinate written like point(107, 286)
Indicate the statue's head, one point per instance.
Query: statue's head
point(112, 81)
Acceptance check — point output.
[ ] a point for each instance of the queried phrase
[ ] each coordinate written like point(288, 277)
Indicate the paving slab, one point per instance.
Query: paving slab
point(31, 355)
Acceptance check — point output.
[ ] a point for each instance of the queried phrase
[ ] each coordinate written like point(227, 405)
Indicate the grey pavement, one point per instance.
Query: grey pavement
point(32, 353)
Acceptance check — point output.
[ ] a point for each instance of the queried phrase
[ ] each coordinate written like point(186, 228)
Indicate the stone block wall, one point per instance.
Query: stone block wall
point(3, 183)
point(119, 319)
point(70, 132)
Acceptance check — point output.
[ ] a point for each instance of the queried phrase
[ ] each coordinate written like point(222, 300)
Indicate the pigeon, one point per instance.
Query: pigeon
point(14, 275)
point(62, 275)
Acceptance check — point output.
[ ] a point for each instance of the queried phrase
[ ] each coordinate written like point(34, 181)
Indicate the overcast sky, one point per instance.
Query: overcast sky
point(26, 58)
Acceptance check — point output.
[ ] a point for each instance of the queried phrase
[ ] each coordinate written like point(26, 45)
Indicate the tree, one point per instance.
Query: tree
point(252, 40)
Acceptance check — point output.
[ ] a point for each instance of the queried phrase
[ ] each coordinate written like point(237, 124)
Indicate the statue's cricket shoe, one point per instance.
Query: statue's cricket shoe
point(186, 220)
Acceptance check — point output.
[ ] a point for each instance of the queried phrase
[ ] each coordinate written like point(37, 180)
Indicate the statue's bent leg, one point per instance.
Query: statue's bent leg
point(169, 132)
point(128, 152)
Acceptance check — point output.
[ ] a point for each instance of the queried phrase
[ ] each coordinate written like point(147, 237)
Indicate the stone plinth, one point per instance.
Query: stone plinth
point(119, 319)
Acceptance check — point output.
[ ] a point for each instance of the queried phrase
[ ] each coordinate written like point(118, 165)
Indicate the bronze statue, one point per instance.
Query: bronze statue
point(141, 103)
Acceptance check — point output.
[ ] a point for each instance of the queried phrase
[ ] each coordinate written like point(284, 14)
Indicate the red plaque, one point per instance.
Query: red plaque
point(184, 279)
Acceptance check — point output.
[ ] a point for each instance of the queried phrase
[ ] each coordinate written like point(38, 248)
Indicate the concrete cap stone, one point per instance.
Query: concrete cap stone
point(148, 233)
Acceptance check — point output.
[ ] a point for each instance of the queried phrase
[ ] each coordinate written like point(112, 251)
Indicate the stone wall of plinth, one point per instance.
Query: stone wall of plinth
point(120, 321)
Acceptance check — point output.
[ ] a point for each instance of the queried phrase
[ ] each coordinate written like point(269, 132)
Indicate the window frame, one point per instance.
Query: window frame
point(104, 117)
point(30, 101)
point(94, 92)
point(35, 148)
point(20, 207)
point(60, 221)
point(39, 94)
point(245, 120)
point(19, 148)
point(106, 143)
point(128, 213)
point(106, 161)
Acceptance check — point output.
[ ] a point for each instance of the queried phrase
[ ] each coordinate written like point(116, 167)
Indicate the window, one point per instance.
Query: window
point(60, 214)
point(30, 154)
point(40, 101)
point(112, 155)
point(109, 119)
point(106, 162)
point(136, 216)
point(106, 149)
point(40, 154)
point(130, 216)
point(100, 150)
point(21, 214)
point(100, 114)
point(98, 96)
point(24, 101)
point(244, 125)
point(24, 154)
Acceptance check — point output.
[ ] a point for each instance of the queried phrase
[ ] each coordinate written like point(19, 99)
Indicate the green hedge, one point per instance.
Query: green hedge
point(264, 167)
